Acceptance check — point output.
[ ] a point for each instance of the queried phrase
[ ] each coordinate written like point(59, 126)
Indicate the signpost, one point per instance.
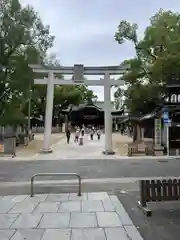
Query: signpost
point(167, 123)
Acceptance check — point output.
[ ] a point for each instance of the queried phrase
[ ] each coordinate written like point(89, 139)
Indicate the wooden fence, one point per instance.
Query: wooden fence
point(158, 190)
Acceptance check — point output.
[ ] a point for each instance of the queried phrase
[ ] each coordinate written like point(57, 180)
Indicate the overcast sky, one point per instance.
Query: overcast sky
point(84, 29)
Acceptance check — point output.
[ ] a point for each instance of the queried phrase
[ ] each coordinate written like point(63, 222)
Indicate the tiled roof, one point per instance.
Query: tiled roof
point(85, 105)
point(98, 105)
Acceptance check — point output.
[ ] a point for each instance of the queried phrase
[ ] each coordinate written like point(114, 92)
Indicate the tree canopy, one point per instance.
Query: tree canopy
point(157, 60)
point(24, 40)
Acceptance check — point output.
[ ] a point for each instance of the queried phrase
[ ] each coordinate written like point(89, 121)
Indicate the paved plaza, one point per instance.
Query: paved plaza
point(93, 216)
point(62, 151)
point(89, 149)
point(164, 222)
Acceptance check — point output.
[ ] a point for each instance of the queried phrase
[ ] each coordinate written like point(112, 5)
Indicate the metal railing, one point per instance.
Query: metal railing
point(55, 174)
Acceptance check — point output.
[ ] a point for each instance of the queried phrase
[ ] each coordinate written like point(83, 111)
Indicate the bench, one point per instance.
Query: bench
point(157, 191)
point(132, 149)
point(137, 148)
point(150, 149)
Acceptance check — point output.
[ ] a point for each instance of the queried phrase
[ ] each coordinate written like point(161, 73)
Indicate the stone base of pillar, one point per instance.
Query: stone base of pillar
point(158, 151)
point(106, 152)
point(46, 151)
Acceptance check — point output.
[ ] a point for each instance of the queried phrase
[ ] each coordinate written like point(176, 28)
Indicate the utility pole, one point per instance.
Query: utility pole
point(29, 109)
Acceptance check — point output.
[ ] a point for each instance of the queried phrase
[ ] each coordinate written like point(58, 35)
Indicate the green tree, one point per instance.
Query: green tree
point(157, 59)
point(163, 38)
point(23, 40)
point(64, 96)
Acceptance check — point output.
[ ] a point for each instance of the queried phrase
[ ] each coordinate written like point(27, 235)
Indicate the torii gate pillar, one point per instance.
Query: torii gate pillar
point(49, 113)
point(107, 115)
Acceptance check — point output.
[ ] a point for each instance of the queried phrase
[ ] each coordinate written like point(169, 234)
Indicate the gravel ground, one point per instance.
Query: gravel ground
point(120, 143)
point(35, 145)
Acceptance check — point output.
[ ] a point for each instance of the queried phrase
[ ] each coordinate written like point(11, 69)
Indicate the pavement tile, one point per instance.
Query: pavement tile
point(108, 206)
point(88, 234)
point(24, 207)
point(57, 234)
point(125, 219)
point(6, 220)
point(116, 234)
point(75, 197)
point(102, 218)
point(27, 221)
point(133, 233)
point(55, 220)
point(97, 196)
point(83, 220)
point(47, 207)
point(6, 234)
point(108, 219)
point(28, 234)
point(37, 198)
point(57, 197)
point(92, 206)
point(15, 199)
point(70, 206)
point(5, 206)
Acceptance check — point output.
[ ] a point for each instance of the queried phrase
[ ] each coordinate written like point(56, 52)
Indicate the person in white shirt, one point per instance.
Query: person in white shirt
point(77, 133)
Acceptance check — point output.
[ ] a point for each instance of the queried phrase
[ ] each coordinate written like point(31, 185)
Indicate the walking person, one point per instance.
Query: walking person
point(82, 131)
point(68, 135)
point(91, 134)
point(77, 133)
point(98, 134)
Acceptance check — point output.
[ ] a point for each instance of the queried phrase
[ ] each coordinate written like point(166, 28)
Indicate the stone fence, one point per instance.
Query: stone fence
point(40, 129)
point(8, 147)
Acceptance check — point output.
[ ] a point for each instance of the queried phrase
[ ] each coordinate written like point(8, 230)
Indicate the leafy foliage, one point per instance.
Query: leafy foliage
point(157, 60)
point(24, 40)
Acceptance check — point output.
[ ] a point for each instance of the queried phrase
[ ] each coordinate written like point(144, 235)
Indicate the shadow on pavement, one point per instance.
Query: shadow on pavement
point(164, 223)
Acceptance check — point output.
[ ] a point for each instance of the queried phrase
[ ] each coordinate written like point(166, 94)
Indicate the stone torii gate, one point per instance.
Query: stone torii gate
point(78, 72)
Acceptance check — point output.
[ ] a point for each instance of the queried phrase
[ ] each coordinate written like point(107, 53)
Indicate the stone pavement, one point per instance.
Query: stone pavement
point(165, 220)
point(90, 149)
point(93, 216)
